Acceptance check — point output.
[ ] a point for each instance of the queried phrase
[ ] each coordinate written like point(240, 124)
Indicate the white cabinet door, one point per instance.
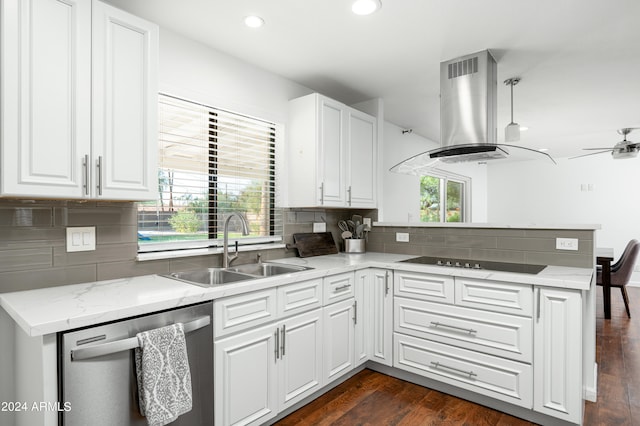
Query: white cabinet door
point(300, 364)
point(46, 97)
point(381, 328)
point(245, 390)
point(363, 316)
point(338, 339)
point(331, 150)
point(558, 354)
point(124, 134)
point(362, 158)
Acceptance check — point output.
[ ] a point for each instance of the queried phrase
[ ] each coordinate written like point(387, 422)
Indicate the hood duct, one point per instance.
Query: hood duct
point(468, 117)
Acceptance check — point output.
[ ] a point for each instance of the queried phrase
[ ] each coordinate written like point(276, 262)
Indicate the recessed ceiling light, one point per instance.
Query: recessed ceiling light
point(253, 21)
point(365, 7)
point(543, 149)
point(523, 128)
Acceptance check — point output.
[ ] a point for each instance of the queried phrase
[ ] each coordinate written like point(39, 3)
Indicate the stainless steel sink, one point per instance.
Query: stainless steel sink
point(211, 277)
point(220, 276)
point(267, 269)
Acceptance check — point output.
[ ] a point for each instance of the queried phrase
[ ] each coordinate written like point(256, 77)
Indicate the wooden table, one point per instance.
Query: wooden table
point(604, 257)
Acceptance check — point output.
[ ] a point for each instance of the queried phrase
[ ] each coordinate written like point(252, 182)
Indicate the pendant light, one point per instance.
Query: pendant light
point(512, 131)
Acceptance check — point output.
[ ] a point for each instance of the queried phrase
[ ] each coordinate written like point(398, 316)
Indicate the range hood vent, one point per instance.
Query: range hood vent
point(468, 117)
point(460, 68)
point(469, 152)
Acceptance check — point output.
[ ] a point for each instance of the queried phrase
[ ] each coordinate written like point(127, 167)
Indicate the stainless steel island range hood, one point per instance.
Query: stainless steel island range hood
point(468, 116)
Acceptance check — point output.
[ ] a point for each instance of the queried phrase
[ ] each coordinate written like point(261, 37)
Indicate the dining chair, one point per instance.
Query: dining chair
point(621, 271)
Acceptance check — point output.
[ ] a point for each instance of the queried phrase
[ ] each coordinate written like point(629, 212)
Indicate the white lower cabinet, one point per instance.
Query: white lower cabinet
point(507, 341)
point(496, 377)
point(339, 339)
point(246, 380)
point(497, 334)
point(363, 338)
point(261, 372)
point(381, 316)
point(558, 354)
point(300, 362)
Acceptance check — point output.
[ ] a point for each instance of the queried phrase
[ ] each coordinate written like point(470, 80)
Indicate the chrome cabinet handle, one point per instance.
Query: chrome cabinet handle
point(340, 288)
point(466, 330)
point(355, 312)
point(386, 283)
point(349, 192)
point(277, 337)
point(85, 168)
point(99, 170)
point(538, 307)
point(322, 193)
point(126, 344)
point(457, 370)
point(283, 334)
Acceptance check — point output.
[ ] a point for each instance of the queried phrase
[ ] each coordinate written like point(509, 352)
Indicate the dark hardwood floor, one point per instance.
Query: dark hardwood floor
point(371, 398)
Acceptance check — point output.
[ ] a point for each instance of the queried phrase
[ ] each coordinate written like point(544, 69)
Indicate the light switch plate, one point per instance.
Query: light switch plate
point(81, 239)
point(567, 244)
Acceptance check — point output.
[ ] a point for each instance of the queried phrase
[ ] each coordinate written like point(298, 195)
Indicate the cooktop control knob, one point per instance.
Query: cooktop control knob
point(467, 265)
point(458, 265)
point(448, 263)
point(476, 266)
point(439, 262)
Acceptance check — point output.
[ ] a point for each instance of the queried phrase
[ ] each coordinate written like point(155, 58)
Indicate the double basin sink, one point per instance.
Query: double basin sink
point(219, 276)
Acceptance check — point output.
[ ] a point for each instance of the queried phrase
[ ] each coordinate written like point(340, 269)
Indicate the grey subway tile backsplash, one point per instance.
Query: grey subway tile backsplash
point(33, 243)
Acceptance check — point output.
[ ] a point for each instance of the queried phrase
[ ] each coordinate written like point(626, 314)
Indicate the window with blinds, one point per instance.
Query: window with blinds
point(211, 163)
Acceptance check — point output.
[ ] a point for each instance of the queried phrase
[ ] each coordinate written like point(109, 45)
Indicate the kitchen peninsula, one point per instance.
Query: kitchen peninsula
point(517, 319)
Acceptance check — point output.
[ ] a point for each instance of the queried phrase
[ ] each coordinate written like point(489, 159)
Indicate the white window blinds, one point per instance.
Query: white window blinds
point(211, 163)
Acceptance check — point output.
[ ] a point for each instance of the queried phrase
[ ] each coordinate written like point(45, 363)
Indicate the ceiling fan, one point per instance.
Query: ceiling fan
point(623, 149)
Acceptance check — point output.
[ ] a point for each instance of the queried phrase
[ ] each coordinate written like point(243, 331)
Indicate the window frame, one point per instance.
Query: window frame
point(465, 197)
point(214, 233)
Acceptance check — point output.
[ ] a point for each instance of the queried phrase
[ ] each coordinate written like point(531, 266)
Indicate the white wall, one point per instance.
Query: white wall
point(401, 193)
point(194, 71)
point(538, 192)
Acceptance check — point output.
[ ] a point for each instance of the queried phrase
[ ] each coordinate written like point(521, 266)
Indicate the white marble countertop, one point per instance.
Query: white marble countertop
point(54, 309)
point(563, 226)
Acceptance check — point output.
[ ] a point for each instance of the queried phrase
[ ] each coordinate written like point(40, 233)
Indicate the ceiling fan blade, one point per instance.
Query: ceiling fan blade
point(593, 153)
point(598, 149)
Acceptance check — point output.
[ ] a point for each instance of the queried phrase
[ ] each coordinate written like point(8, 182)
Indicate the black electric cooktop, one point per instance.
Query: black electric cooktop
point(477, 264)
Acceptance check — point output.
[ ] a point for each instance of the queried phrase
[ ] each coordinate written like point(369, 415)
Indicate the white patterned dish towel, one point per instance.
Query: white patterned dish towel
point(164, 379)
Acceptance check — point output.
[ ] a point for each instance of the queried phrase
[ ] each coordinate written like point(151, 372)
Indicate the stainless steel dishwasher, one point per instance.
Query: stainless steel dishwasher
point(97, 369)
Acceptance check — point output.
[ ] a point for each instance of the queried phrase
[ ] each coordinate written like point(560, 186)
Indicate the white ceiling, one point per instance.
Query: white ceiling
point(579, 60)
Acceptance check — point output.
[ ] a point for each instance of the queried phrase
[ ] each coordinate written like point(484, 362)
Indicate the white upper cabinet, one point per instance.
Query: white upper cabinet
point(331, 157)
point(125, 99)
point(361, 158)
point(79, 101)
point(46, 96)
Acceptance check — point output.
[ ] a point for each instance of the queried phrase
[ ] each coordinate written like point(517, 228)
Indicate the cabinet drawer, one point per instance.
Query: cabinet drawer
point(495, 296)
point(495, 377)
point(299, 297)
point(438, 288)
point(339, 287)
point(503, 335)
point(244, 311)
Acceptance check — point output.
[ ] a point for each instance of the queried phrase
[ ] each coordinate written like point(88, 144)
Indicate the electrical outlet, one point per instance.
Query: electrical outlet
point(319, 227)
point(402, 237)
point(81, 238)
point(367, 222)
point(567, 244)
